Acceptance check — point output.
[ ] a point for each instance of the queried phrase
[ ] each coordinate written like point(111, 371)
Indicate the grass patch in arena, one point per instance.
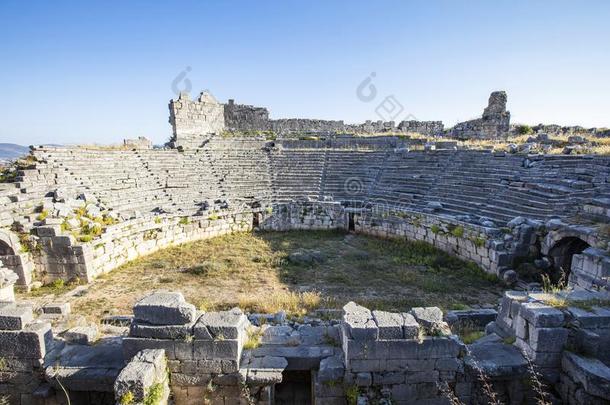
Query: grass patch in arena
point(255, 271)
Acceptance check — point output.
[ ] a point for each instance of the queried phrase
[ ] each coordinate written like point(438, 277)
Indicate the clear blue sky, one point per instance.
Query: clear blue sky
point(79, 72)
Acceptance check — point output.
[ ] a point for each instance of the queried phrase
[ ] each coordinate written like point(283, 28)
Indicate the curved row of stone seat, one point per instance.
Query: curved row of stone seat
point(477, 183)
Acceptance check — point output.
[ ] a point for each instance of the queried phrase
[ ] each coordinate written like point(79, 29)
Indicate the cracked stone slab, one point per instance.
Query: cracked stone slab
point(221, 324)
point(164, 308)
point(359, 322)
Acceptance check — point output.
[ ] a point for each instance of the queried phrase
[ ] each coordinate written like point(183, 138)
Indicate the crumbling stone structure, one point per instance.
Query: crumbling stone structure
point(494, 123)
point(244, 118)
point(366, 356)
point(78, 212)
point(193, 121)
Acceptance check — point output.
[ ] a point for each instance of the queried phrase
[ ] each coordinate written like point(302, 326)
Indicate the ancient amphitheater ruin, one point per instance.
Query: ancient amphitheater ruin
point(77, 213)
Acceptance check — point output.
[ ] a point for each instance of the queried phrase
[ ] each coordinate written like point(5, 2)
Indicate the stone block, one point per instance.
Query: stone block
point(164, 308)
point(592, 374)
point(145, 330)
point(57, 308)
point(132, 345)
point(431, 318)
point(390, 324)
point(29, 343)
point(81, 335)
point(388, 377)
point(331, 369)
point(548, 339)
point(541, 316)
point(15, 317)
point(410, 327)
point(221, 325)
point(597, 318)
point(364, 379)
point(216, 350)
point(142, 372)
point(359, 322)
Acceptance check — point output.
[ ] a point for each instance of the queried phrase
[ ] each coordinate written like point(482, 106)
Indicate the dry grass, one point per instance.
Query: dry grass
point(253, 271)
point(601, 146)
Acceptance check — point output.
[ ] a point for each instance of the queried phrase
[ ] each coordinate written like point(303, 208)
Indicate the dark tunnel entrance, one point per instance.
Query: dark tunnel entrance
point(560, 256)
point(5, 249)
point(295, 388)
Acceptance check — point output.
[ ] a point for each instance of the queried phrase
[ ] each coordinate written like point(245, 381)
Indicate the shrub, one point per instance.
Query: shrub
point(184, 221)
point(458, 231)
point(435, 229)
point(127, 398)
point(524, 130)
point(253, 339)
point(154, 395)
point(85, 238)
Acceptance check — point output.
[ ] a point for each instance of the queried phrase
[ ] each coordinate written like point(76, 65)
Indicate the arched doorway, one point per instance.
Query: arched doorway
point(5, 249)
point(560, 256)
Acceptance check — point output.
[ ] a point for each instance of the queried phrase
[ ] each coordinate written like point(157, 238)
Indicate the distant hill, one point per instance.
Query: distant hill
point(10, 151)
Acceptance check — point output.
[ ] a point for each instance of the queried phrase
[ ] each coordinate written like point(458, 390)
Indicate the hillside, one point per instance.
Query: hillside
point(10, 151)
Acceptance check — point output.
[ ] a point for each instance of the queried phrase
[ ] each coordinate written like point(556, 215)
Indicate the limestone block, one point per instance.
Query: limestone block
point(133, 345)
point(431, 318)
point(57, 308)
point(331, 369)
point(592, 374)
point(540, 315)
point(81, 335)
point(145, 330)
point(15, 317)
point(29, 343)
point(548, 339)
point(147, 368)
point(164, 308)
point(216, 350)
point(389, 324)
point(359, 322)
point(223, 324)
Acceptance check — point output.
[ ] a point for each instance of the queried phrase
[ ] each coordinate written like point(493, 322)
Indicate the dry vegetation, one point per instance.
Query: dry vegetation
point(599, 146)
point(254, 272)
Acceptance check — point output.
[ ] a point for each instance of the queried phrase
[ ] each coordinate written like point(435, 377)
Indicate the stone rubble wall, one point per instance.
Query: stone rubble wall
point(24, 342)
point(203, 350)
point(391, 352)
point(566, 343)
point(243, 118)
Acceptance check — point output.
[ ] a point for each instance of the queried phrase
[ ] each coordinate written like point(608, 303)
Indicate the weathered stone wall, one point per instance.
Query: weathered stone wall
point(303, 215)
point(302, 125)
point(194, 121)
point(466, 241)
point(422, 127)
point(64, 258)
point(565, 336)
point(24, 343)
point(243, 118)
point(494, 123)
point(394, 354)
